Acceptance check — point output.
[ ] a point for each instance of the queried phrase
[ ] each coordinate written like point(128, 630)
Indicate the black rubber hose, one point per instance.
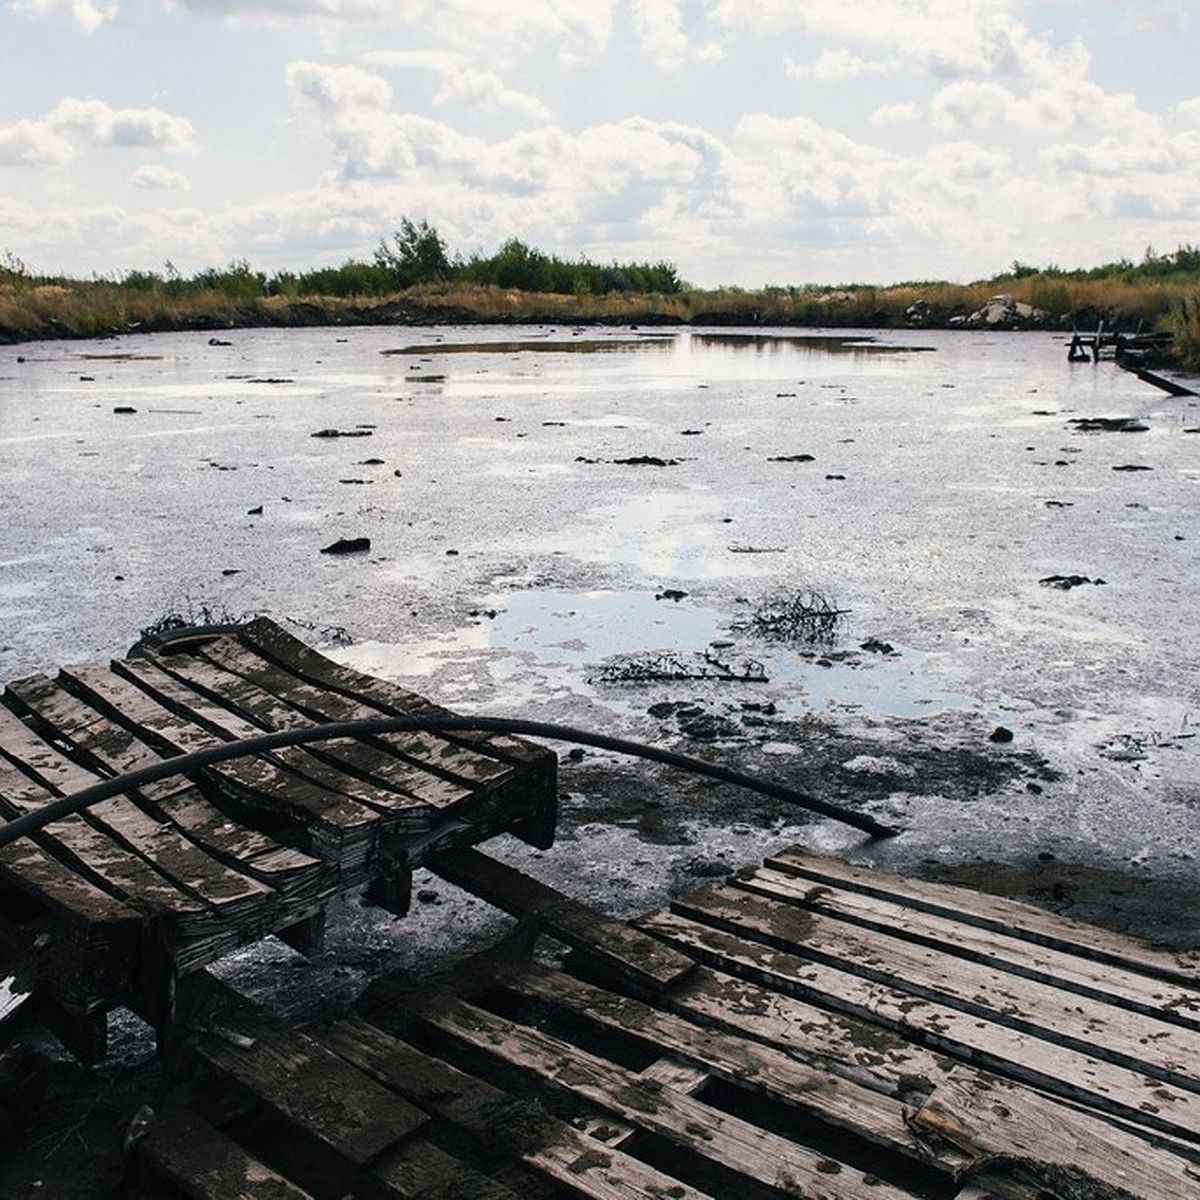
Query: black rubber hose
point(183, 763)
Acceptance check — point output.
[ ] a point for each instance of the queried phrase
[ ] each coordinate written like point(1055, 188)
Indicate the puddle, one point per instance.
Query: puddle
point(623, 647)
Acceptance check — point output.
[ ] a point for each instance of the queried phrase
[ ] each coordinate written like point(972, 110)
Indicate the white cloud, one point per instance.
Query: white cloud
point(901, 112)
point(152, 175)
point(33, 144)
point(149, 128)
point(1156, 16)
point(83, 15)
point(659, 26)
point(487, 92)
point(834, 65)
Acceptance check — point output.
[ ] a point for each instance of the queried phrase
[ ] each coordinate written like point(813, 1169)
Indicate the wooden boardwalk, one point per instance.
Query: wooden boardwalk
point(121, 904)
point(804, 1028)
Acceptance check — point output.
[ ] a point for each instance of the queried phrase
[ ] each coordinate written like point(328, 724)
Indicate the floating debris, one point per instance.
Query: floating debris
point(800, 617)
point(657, 666)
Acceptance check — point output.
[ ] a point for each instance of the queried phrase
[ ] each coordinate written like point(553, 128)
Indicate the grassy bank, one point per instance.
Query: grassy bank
point(1162, 292)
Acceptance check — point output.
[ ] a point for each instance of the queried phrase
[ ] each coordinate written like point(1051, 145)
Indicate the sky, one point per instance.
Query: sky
point(749, 142)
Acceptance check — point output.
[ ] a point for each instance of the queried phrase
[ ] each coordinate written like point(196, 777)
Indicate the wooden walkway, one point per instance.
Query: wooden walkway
point(804, 1028)
point(121, 904)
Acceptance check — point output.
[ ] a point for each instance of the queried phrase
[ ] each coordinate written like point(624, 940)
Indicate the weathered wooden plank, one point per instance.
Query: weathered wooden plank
point(184, 1150)
point(614, 944)
point(279, 646)
point(422, 1171)
point(93, 934)
point(842, 1102)
point(1141, 1043)
point(1014, 1120)
point(500, 1125)
point(691, 1126)
point(87, 849)
point(290, 773)
point(341, 829)
point(458, 762)
point(226, 714)
point(998, 914)
point(1016, 1054)
point(1111, 984)
point(303, 1083)
point(191, 868)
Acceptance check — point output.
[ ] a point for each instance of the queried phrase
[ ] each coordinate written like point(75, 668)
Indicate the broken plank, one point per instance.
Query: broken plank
point(1014, 1120)
point(423, 1171)
point(1010, 1052)
point(692, 1128)
point(1138, 1042)
point(499, 1124)
point(868, 1114)
point(1107, 982)
point(996, 913)
point(183, 1150)
point(611, 943)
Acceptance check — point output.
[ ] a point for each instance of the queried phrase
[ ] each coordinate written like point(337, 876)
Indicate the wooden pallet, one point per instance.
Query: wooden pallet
point(118, 904)
point(802, 1029)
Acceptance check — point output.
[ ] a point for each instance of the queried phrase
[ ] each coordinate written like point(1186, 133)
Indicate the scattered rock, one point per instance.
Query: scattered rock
point(801, 458)
point(256, 511)
point(1000, 735)
point(124, 409)
point(876, 646)
point(1003, 312)
point(835, 477)
point(428, 896)
point(690, 432)
point(347, 546)
point(1060, 504)
point(1109, 425)
point(341, 433)
point(1132, 467)
point(671, 594)
point(371, 462)
point(216, 341)
point(232, 571)
point(1065, 583)
point(647, 460)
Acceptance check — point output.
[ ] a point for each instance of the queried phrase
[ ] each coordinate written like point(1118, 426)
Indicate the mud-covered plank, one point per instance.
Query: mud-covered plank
point(279, 646)
point(423, 1171)
point(271, 712)
point(83, 847)
point(458, 762)
point(612, 943)
point(286, 773)
point(1010, 1052)
point(340, 827)
point(183, 1150)
point(1010, 1118)
point(1108, 982)
point(190, 867)
point(92, 936)
point(690, 1126)
point(1162, 1051)
point(306, 1085)
point(842, 1102)
point(249, 715)
point(996, 913)
point(499, 1125)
